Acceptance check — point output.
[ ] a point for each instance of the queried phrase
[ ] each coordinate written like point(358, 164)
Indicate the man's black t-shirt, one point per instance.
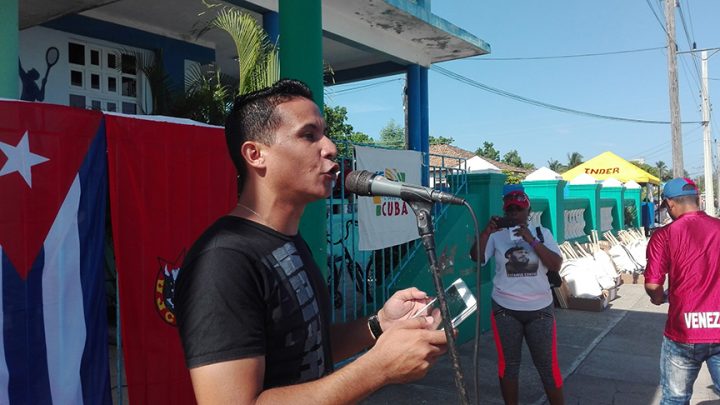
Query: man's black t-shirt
point(246, 290)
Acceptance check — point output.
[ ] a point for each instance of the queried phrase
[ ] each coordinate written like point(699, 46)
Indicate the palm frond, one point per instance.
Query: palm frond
point(258, 62)
point(249, 38)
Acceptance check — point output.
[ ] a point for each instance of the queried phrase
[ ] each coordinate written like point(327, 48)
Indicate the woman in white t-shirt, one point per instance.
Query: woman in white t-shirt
point(522, 302)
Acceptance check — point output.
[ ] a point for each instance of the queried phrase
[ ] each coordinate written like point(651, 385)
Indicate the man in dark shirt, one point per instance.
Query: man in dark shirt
point(252, 307)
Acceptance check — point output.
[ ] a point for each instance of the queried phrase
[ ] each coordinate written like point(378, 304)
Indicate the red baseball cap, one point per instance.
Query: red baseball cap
point(517, 198)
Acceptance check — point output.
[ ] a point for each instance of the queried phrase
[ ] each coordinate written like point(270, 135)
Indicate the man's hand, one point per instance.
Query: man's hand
point(407, 351)
point(401, 306)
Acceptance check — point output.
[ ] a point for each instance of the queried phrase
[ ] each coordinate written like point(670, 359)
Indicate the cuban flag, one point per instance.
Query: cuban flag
point(53, 179)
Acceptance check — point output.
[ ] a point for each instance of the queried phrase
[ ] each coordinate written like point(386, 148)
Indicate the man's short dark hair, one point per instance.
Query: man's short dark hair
point(687, 200)
point(253, 118)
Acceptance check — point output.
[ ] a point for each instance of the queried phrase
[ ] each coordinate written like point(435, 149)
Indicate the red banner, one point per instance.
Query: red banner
point(168, 182)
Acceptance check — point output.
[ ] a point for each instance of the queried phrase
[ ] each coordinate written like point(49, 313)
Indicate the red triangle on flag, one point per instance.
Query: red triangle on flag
point(41, 149)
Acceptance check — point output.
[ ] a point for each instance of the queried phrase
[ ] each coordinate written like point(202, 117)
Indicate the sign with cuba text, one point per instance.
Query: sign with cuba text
point(387, 221)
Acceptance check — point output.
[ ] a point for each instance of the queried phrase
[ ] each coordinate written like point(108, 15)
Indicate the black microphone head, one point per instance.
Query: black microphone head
point(359, 181)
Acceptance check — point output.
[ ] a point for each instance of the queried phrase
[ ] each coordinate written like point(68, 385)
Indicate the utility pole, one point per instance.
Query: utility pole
point(677, 153)
point(707, 146)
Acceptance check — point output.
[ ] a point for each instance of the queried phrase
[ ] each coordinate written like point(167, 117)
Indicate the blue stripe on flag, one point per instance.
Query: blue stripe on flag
point(95, 370)
point(24, 335)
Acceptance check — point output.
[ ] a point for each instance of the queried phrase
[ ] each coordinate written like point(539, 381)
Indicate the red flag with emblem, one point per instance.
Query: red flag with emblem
point(168, 182)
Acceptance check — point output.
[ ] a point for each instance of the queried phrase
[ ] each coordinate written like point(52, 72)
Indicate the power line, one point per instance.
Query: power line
point(662, 25)
point(666, 146)
point(691, 43)
point(365, 86)
point(663, 145)
point(538, 103)
point(581, 55)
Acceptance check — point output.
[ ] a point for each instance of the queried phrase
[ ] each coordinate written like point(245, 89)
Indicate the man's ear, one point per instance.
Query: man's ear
point(253, 153)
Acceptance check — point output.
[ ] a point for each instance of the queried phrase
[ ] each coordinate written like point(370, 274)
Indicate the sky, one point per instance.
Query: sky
point(627, 85)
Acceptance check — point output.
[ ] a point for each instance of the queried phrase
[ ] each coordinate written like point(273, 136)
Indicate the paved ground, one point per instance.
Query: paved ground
point(608, 357)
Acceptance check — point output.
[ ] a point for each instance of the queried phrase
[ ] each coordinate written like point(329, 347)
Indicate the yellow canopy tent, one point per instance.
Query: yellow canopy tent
point(609, 165)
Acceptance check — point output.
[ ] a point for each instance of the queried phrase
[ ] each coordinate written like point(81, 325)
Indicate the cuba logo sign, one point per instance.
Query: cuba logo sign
point(389, 206)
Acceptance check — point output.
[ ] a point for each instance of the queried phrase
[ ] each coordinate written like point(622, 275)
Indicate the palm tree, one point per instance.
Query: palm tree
point(661, 168)
point(258, 62)
point(555, 165)
point(208, 95)
point(574, 159)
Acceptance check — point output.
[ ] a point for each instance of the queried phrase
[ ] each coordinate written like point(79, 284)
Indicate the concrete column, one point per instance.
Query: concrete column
point(617, 195)
point(414, 100)
point(9, 40)
point(485, 191)
point(552, 191)
point(418, 120)
point(301, 58)
point(591, 192)
point(424, 125)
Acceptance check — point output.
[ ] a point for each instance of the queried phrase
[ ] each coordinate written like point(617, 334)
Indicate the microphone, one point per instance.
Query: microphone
point(365, 183)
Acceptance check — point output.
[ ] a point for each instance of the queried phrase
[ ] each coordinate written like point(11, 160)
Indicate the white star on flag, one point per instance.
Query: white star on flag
point(20, 159)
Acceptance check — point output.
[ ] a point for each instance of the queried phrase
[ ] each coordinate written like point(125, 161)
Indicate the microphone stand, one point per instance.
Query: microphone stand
point(425, 229)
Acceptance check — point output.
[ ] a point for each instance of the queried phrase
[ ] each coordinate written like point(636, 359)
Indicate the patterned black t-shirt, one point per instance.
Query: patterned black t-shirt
point(246, 290)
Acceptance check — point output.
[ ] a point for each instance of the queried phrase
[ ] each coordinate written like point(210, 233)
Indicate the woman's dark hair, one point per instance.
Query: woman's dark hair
point(253, 118)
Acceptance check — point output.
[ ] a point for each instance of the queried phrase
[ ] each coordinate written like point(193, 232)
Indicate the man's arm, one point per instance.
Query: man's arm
point(656, 293)
point(658, 265)
point(350, 338)
point(402, 354)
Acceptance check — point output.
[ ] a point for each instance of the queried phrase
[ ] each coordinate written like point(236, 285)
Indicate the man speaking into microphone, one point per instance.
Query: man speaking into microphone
point(253, 309)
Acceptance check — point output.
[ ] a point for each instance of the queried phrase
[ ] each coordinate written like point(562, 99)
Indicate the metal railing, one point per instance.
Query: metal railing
point(359, 282)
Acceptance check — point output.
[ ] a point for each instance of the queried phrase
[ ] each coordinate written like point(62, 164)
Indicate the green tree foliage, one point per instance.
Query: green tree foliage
point(663, 171)
point(208, 94)
point(488, 151)
point(513, 159)
point(208, 97)
point(650, 169)
point(392, 135)
point(512, 177)
point(335, 122)
point(556, 166)
point(341, 132)
point(441, 140)
point(258, 59)
point(574, 159)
